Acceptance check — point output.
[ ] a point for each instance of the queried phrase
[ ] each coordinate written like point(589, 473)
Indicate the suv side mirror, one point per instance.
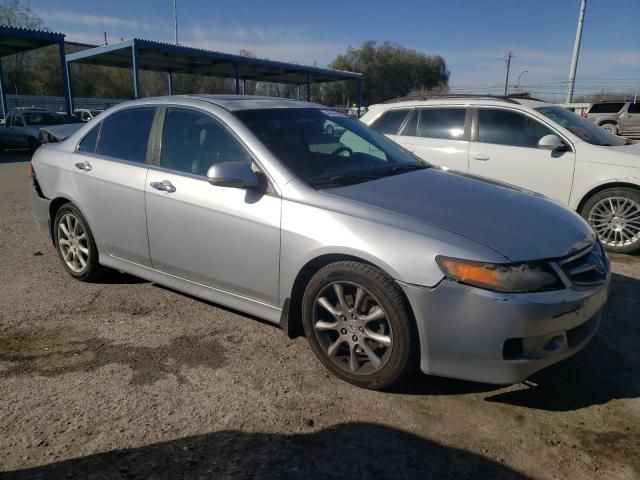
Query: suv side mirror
point(551, 142)
point(235, 174)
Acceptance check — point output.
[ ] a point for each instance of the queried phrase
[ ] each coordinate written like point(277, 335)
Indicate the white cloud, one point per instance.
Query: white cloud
point(101, 21)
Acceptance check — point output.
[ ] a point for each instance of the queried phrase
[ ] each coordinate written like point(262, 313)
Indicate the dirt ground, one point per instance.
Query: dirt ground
point(126, 379)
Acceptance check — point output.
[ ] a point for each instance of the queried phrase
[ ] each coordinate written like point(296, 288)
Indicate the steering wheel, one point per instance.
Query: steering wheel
point(341, 149)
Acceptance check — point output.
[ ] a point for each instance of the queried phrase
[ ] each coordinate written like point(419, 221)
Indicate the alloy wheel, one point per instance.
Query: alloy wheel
point(616, 220)
point(352, 327)
point(73, 242)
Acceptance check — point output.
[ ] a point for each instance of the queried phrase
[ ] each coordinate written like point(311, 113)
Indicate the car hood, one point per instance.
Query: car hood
point(518, 224)
point(60, 132)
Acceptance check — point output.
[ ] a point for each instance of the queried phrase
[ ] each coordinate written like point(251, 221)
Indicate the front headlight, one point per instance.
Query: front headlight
point(507, 278)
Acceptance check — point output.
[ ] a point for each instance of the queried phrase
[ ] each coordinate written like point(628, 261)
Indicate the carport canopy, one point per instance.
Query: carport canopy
point(139, 54)
point(15, 40)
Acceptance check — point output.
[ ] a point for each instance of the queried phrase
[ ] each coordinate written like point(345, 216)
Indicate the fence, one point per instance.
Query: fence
point(56, 104)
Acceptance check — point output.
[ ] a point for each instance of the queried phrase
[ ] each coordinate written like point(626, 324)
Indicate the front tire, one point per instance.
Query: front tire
point(614, 214)
point(75, 244)
point(358, 324)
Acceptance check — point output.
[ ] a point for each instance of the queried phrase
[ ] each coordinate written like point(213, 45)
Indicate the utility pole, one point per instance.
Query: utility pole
point(576, 52)
point(105, 38)
point(175, 20)
point(506, 80)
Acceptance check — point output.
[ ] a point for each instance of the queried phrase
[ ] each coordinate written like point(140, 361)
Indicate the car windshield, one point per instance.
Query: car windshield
point(44, 118)
point(582, 128)
point(326, 148)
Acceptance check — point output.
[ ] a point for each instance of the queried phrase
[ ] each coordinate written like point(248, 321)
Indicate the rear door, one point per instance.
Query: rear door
point(439, 135)
point(18, 131)
point(505, 148)
point(225, 238)
point(109, 171)
point(631, 118)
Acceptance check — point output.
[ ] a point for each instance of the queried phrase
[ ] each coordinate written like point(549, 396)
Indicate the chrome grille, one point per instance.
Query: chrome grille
point(589, 267)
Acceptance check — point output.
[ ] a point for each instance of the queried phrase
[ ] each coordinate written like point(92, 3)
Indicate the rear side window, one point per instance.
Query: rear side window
point(17, 121)
point(125, 134)
point(634, 108)
point(193, 141)
point(504, 127)
point(606, 107)
point(389, 122)
point(88, 143)
point(447, 123)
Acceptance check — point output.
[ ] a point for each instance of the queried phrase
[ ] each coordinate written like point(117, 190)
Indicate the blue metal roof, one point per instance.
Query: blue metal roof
point(167, 57)
point(16, 40)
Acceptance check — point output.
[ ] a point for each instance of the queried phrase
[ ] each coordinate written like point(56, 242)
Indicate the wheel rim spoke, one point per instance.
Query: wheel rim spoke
point(616, 220)
point(72, 243)
point(353, 329)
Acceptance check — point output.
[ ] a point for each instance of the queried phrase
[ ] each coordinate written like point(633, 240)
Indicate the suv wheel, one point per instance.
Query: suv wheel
point(75, 244)
point(610, 127)
point(358, 324)
point(614, 214)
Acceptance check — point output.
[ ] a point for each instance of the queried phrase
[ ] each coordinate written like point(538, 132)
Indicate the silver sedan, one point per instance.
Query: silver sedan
point(382, 261)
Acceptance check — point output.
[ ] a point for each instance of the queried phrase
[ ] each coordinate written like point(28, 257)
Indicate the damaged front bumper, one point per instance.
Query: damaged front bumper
point(475, 334)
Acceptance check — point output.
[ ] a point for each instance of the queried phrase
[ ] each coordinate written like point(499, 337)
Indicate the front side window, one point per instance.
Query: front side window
point(446, 123)
point(44, 118)
point(193, 141)
point(125, 134)
point(17, 121)
point(505, 127)
point(634, 108)
point(581, 127)
point(90, 140)
point(298, 138)
point(389, 122)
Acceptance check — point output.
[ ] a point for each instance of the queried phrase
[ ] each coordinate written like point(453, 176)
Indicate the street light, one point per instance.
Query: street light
point(519, 76)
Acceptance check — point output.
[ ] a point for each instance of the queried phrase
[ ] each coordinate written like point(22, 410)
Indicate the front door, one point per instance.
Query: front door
point(109, 171)
point(225, 238)
point(632, 118)
point(506, 149)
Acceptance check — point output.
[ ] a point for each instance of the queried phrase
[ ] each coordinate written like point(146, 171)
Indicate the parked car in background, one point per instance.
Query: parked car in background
point(532, 144)
point(619, 118)
point(24, 127)
point(385, 262)
point(85, 114)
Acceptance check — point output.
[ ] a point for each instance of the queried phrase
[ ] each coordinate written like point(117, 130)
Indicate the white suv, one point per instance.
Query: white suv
point(529, 143)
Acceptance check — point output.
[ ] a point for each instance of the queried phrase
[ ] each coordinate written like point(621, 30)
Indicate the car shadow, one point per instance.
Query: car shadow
point(348, 450)
point(13, 156)
point(607, 368)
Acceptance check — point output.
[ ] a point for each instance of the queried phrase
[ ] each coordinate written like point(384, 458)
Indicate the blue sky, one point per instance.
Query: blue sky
point(472, 36)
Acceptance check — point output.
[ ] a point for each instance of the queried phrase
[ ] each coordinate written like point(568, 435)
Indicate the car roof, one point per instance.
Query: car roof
point(461, 100)
point(235, 102)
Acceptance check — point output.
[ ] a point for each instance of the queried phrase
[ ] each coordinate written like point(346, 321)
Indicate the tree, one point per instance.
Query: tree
point(390, 71)
point(15, 13)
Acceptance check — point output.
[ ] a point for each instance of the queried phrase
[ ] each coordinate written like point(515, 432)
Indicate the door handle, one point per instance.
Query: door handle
point(86, 166)
point(481, 157)
point(164, 186)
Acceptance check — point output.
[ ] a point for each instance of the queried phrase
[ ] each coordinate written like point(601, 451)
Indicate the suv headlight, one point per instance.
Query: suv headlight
point(507, 278)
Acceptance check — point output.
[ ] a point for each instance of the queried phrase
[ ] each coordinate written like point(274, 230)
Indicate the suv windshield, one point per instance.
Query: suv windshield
point(43, 118)
point(344, 154)
point(582, 128)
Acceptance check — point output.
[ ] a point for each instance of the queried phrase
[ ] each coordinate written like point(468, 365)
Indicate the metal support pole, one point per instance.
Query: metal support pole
point(136, 80)
point(244, 86)
point(175, 20)
point(69, 83)
point(170, 82)
point(576, 52)
point(298, 91)
point(3, 96)
point(359, 95)
point(237, 78)
point(308, 86)
point(506, 80)
point(65, 80)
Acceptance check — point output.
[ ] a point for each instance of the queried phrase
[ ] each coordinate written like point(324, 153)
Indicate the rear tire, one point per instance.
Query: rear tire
point(610, 127)
point(359, 325)
point(614, 214)
point(75, 245)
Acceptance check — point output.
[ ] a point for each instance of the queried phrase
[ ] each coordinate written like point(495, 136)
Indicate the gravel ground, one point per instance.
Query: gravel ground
point(126, 379)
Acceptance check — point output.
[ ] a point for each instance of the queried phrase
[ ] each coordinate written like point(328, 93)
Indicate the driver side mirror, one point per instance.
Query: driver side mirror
point(235, 174)
point(551, 142)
